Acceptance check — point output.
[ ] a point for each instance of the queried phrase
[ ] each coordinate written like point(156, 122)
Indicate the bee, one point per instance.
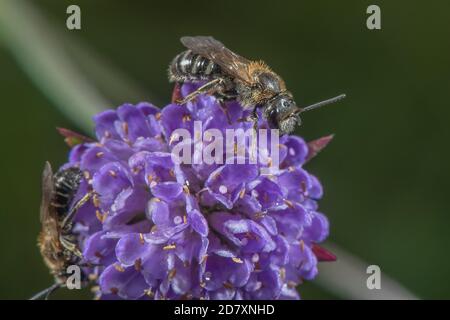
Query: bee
point(56, 240)
point(230, 76)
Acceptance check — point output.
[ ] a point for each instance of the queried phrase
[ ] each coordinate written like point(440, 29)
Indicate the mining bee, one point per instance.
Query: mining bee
point(56, 240)
point(230, 76)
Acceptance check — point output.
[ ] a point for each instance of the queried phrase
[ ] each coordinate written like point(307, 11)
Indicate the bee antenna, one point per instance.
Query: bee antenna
point(322, 103)
point(46, 292)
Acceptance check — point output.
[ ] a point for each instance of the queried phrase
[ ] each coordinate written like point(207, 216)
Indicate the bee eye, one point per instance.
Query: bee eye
point(272, 118)
point(286, 103)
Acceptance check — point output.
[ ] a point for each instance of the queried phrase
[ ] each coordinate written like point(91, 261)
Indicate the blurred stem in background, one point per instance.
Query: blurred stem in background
point(38, 50)
point(347, 278)
point(32, 42)
point(67, 72)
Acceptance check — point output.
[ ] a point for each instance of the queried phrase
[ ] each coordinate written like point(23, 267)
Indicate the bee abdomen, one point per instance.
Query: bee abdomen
point(66, 185)
point(189, 66)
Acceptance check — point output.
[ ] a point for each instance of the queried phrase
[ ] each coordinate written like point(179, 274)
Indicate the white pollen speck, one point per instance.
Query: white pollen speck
point(177, 220)
point(223, 189)
point(152, 184)
point(291, 151)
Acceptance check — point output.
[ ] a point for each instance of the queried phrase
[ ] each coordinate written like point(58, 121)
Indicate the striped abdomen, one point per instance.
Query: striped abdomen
point(66, 185)
point(189, 66)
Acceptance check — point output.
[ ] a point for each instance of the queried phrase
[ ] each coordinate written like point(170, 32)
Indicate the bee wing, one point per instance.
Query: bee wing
point(47, 193)
point(231, 63)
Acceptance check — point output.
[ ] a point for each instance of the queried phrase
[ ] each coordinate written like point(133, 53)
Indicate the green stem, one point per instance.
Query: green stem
point(32, 43)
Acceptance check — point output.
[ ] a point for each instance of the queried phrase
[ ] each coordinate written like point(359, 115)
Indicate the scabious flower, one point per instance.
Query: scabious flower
point(157, 229)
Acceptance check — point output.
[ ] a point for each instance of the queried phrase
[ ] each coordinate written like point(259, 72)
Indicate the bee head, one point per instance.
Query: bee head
point(282, 113)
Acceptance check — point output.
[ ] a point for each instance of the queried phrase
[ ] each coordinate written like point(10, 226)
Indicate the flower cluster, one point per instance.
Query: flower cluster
point(156, 229)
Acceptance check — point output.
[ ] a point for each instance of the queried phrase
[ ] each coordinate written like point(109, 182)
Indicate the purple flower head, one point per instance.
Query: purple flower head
point(158, 229)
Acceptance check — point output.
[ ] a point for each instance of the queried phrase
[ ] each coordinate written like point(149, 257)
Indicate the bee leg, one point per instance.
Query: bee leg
point(211, 86)
point(70, 246)
point(75, 208)
point(254, 118)
point(46, 292)
point(223, 96)
point(224, 108)
point(64, 239)
point(90, 265)
point(51, 290)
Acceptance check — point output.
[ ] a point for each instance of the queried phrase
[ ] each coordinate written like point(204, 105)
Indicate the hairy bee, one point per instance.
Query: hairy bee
point(56, 241)
point(230, 76)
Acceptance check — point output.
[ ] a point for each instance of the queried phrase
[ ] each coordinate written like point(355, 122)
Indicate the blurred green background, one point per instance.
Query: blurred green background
point(385, 175)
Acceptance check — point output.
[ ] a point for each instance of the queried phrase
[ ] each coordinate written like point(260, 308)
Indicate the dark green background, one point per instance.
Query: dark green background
point(385, 175)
